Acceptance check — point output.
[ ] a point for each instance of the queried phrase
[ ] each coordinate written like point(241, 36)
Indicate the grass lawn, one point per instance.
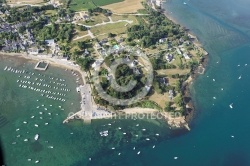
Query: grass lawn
point(173, 71)
point(50, 12)
point(116, 28)
point(160, 99)
point(78, 5)
point(125, 17)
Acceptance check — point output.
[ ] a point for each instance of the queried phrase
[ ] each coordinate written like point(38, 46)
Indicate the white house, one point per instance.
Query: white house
point(33, 51)
point(50, 42)
point(186, 56)
point(97, 64)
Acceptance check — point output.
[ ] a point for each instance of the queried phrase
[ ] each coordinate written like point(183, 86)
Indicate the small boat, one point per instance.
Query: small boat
point(184, 3)
point(153, 146)
point(157, 134)
point(239, 77)
point(143, 129)
point(119, 154)
point(25, 140)
point(138, 152)
point(37, 161)
point(175, 158)
point(51, 147)
point(113, 148)
point(134, 148)
point(29, 159)
point(36, 137)
point(36, 125)
point(46, 123)
point(147, 139)
point(5, 67)
point(231, 105)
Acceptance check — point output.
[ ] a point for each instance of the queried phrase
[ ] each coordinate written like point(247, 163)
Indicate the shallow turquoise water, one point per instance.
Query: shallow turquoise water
point(26, 113)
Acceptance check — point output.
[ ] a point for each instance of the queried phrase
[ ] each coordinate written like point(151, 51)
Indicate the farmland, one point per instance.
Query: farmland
point(78, 5)
point(127, 6)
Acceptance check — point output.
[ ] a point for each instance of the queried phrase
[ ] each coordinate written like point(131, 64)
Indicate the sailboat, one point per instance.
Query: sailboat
point(36, 137)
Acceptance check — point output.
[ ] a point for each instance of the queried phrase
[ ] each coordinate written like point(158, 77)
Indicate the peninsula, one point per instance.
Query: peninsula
point(92, 37)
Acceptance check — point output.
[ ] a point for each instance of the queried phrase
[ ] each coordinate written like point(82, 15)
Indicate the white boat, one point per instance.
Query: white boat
point(36, 137)
point(231, 105)
point(139, 152)
point(175, 158)
point(37, 161)
point(154, 146)
point(6, 68)
point(184, 3)
point(239, 77)
point(104, 133)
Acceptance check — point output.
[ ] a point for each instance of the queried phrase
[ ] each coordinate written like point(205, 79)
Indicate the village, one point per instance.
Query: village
point(92, 38)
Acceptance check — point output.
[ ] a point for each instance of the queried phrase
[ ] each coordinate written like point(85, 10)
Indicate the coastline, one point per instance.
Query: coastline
point(190, 107)
point(52, 61)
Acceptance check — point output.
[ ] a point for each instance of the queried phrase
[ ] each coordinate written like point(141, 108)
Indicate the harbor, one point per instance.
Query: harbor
point(88, 110)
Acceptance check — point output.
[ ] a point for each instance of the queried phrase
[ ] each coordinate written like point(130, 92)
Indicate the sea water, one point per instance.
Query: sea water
point(219, 135)
point(25, 112)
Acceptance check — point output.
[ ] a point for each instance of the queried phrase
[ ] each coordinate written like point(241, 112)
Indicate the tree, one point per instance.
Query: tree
point(167, 106)
point(178, 100)
point(85, 63)
point(111, 35)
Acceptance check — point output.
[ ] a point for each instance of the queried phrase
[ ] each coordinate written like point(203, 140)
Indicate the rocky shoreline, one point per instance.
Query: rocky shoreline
point(187, 97)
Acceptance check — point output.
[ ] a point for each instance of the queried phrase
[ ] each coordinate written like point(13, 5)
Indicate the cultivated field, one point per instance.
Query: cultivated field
point(24, 1)
point(79, 5)
point(127, 6)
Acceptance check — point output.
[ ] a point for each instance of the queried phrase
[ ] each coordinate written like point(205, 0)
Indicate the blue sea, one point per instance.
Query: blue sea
point(219, 134)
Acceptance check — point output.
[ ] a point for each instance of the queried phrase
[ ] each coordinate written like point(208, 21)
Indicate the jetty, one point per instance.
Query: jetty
point(88, 110)
point(41, 65)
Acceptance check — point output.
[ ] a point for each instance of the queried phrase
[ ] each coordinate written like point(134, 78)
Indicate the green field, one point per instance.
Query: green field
point(79, 5)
